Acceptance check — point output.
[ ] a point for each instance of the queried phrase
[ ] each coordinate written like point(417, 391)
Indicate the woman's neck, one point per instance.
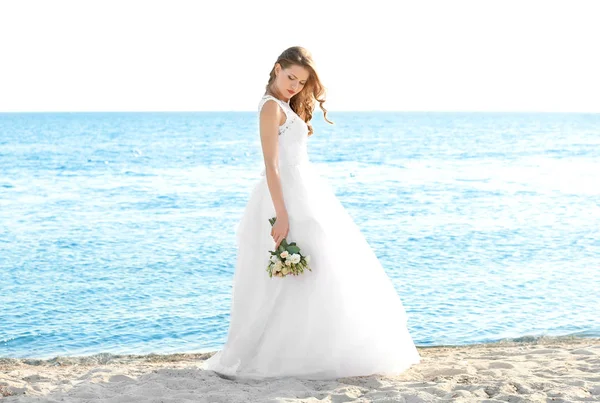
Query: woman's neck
point(272, 93)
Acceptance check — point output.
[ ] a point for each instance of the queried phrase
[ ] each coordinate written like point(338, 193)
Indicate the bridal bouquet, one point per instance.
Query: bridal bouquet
point(287, 259)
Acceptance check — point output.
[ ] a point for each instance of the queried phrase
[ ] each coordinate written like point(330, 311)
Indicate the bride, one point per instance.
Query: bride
point(343, 318)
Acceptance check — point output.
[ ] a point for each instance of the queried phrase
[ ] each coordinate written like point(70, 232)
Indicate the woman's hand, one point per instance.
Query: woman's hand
point(280, 229)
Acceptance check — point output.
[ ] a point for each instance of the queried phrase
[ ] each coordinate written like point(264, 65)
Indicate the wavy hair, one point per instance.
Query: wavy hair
point(304, 102)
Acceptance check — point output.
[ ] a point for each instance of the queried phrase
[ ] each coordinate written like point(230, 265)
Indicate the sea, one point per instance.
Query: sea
point(117, 229)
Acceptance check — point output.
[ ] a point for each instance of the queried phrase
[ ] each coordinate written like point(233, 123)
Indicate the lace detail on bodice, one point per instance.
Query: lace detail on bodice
point(293, 135)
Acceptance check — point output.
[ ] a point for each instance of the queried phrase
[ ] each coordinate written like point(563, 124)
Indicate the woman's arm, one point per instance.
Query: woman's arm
point(270, 116)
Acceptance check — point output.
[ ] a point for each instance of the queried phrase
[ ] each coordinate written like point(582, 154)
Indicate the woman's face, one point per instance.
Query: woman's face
point(291, 80)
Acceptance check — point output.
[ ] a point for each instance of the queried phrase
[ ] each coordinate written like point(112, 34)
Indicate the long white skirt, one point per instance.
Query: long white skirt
point(343, 318)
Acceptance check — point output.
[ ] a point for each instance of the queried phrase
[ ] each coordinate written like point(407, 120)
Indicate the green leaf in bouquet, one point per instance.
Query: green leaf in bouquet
point(293, 249)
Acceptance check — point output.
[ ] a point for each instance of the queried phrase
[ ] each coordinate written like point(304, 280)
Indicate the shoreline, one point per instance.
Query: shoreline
point(564, 368)
point(95, 357)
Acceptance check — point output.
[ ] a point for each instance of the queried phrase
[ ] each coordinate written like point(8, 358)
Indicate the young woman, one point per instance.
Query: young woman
point(343, 318)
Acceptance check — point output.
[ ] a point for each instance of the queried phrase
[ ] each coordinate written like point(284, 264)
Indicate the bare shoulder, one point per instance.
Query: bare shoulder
point(270, 107)
point(271, 112)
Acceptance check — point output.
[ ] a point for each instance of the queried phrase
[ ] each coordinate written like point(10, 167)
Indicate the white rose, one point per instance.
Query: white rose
point(277, 266)
point(295, 258)
point(288, 262)
point(274, 258)
point(307, 258)
point(284, 254)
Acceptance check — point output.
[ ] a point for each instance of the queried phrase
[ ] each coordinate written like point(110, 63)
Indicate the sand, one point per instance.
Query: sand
point(538, 370)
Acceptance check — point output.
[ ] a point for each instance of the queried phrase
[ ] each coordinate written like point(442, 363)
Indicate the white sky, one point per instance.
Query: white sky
point(421, 55)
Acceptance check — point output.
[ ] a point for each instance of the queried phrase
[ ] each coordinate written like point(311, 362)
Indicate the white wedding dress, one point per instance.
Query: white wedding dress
point(343, 318)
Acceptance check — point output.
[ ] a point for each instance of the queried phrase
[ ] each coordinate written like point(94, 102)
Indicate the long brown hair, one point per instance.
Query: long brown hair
point(304, 102)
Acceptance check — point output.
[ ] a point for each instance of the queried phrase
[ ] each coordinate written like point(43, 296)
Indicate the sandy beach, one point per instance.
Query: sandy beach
point(538, 370)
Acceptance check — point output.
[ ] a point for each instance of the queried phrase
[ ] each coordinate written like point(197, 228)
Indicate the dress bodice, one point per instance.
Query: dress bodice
point(293, 135)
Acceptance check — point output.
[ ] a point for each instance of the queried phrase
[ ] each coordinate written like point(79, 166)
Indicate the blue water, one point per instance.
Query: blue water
point(117, 229)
